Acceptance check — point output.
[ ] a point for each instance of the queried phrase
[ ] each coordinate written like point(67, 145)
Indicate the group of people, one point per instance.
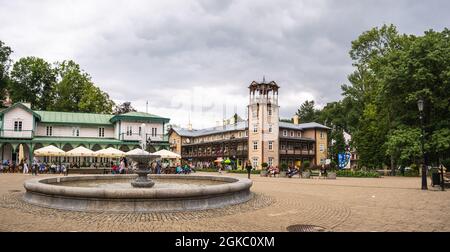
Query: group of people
point(36, 167)
point(184, 169)
point(121, 168)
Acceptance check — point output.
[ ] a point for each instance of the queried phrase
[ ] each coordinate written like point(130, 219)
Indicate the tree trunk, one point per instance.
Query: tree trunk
point(392, 166)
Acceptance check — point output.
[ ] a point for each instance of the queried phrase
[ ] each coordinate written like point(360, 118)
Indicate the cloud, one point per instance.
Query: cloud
point(188, 58)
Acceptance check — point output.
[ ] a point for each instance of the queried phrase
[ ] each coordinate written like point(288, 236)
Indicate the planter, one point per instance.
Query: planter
point(282, 173)
point(306, 174)
point(331, 175)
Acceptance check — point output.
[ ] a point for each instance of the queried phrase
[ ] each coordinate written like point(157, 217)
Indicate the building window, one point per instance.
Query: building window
point(283, 147)
point(255, 162)
point(321, 148)
point(284, 132)
point(154, 132)
point(246, 133)
point(101, 132)
point(270, 161)
point(255, 145)
point(18, 126)
point(292, 133)
point(49, 130)
point(129, 130)
point(269, 110)
point(322, 135)
point(75, 131)
point(270, 145)
point(140, 131)
point(255, 128)
point(270, 128)
point(299, 134)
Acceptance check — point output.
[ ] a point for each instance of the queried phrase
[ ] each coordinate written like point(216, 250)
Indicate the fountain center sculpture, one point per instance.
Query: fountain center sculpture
point(142, 159)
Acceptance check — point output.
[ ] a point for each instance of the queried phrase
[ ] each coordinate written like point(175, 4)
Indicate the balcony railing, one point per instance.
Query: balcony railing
point(10, 133)
point(137, 137)
point(297, 152)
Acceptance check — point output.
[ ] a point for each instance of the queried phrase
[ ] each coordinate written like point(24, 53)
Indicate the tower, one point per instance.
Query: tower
point(263, 123)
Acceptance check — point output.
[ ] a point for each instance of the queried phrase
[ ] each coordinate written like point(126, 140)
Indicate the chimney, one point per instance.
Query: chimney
point(190, 126)
point(296, 119)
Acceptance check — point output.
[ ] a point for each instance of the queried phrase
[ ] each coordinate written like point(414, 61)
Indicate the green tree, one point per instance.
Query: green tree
point(307, 112)
point(75, 91)
point(5, 63)
point(33, 80)
point(404, 145)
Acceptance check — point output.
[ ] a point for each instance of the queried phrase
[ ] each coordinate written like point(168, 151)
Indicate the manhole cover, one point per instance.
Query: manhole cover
point(14, 190)
point(305, 228)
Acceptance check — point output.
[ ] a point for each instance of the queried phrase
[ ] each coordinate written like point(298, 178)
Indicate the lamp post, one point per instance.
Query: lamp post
point(420, 103)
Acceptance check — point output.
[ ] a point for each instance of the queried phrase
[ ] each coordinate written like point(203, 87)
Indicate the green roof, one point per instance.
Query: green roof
point(139, 116)
point(74, 118)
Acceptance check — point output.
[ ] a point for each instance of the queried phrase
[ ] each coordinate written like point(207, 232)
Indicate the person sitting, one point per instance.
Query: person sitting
point(179, 170)
point(292, 172)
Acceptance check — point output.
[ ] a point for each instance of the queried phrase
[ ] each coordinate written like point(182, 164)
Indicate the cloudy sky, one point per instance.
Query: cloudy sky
point(189, 58)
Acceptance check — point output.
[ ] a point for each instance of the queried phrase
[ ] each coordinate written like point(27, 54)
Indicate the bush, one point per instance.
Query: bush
point(264, 165)
point(306, 164)
point(446, 163)
point(357, 174)
point(284, 167)
point(244, 171)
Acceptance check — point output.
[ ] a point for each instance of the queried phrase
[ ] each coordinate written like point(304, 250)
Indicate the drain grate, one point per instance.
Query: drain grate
point(305, 228)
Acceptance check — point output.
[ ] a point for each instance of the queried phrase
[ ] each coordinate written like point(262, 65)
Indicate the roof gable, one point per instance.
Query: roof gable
point(22, 106)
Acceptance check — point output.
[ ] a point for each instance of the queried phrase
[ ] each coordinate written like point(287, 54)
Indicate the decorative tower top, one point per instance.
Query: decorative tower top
point(264, 92)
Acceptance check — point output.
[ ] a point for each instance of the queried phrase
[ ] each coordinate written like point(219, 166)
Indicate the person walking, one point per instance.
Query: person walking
point(25, 167)
point(249, 168)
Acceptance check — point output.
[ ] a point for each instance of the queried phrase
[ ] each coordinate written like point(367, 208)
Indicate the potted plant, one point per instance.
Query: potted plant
point(283, 170)
point(264, 171)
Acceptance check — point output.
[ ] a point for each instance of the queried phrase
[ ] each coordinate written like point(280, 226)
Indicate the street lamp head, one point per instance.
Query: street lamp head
point(420, 104)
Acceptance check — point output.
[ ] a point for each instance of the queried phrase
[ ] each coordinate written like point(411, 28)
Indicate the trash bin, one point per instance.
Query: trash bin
point(435, 178)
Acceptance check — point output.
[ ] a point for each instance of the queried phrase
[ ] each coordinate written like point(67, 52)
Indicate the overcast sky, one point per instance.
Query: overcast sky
point(189, 58)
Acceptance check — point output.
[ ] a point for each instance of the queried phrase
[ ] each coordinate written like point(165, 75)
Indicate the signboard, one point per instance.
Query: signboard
point(344, 160)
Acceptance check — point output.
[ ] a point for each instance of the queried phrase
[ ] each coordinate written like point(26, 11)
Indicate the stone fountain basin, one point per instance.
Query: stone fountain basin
point(64, 193)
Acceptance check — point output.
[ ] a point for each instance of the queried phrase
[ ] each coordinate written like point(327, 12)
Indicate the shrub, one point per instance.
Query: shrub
point(244, 171)
point(357, 174)
point(284, 167)
point(264, 165)
point(306, 164)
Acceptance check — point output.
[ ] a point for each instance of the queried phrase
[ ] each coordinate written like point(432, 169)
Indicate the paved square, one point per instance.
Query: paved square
point(345, 204)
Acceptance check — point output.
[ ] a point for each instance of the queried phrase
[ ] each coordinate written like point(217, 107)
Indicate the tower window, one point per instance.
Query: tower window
point(284, 132)
point(270, 128)
point(269, 110)
point(255, 128)
point(255, 145)
point(270, 145)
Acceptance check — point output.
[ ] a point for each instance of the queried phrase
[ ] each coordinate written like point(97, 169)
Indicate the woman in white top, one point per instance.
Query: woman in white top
point(25, 168)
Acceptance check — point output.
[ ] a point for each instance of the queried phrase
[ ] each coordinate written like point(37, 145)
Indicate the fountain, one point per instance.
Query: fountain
point(141, 192)
point(142, 158)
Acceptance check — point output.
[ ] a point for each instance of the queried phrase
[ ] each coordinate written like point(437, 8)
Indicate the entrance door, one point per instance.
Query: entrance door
point(14, 157)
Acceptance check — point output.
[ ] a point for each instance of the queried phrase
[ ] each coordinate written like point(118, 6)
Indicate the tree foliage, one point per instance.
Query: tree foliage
point(5, 63)
point(33, 80)
point(307, 112)
point(124, 108)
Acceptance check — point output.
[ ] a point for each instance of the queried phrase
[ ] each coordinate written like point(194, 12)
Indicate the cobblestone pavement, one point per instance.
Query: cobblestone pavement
point(345, 204)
